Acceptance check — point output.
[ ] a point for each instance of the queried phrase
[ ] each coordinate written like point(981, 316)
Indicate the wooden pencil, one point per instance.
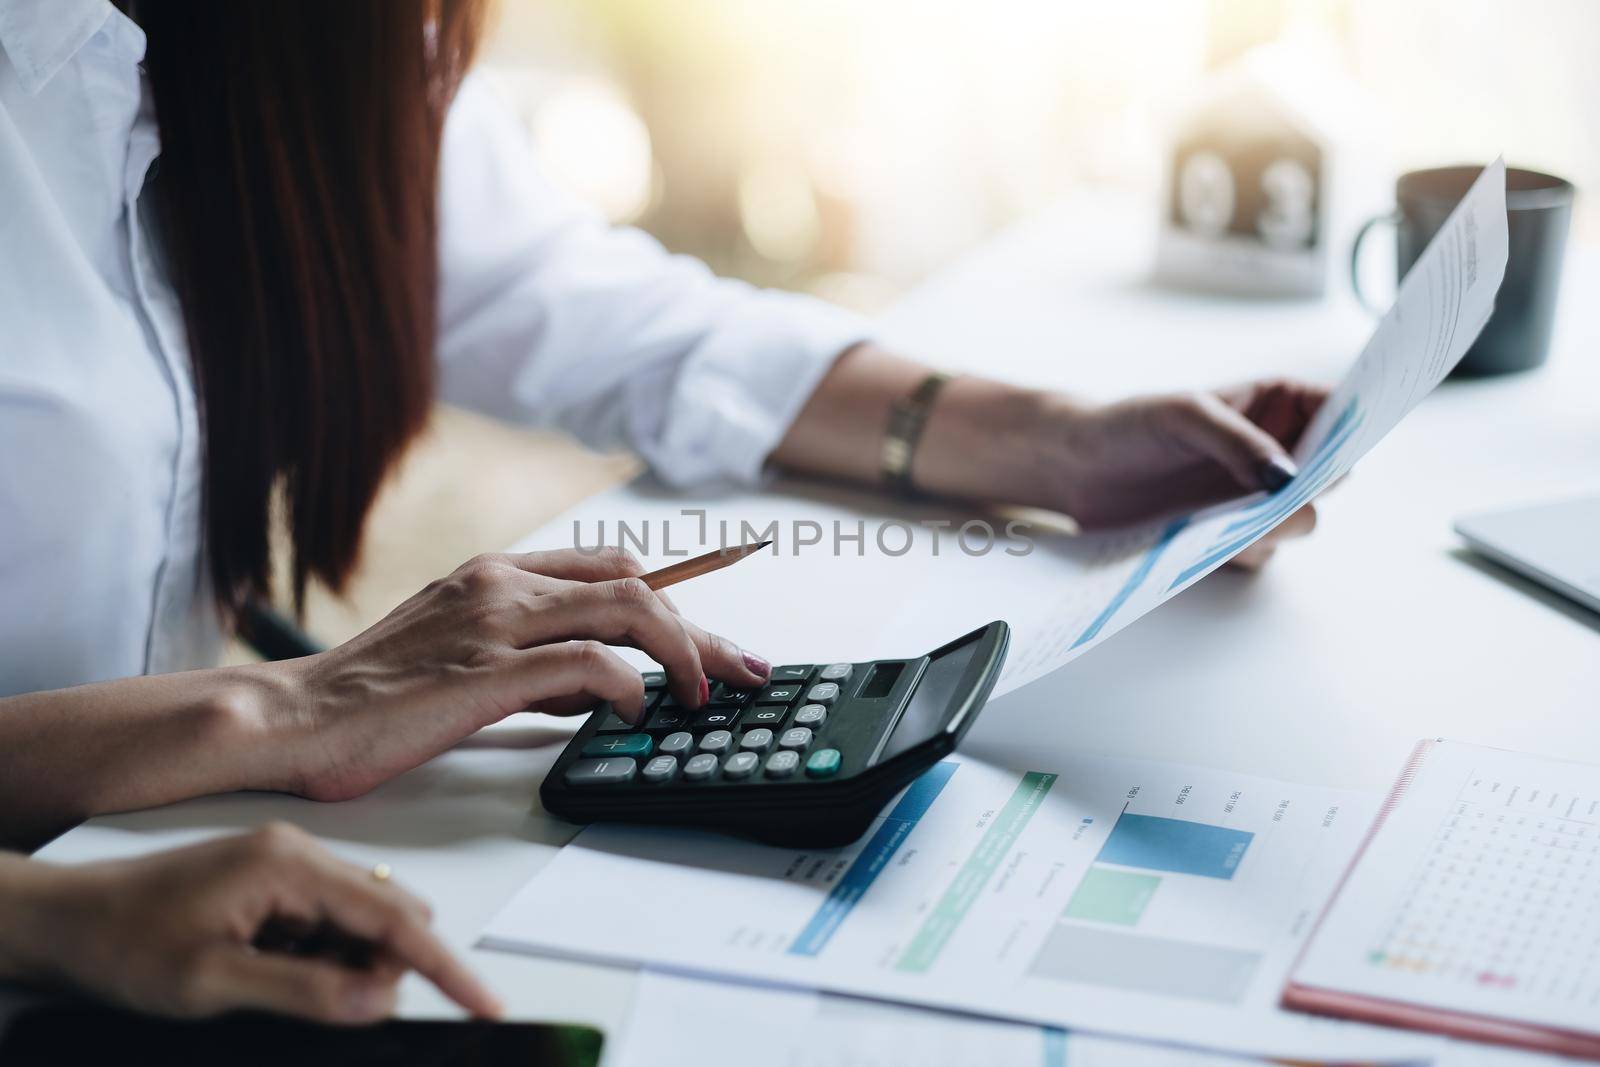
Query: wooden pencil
point(714, 560)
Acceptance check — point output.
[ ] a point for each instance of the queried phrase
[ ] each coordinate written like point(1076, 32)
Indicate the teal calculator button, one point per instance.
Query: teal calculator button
point(632, 745)
point(824, 763)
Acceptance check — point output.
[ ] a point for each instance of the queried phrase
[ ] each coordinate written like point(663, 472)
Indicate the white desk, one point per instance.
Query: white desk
point(1374, 633)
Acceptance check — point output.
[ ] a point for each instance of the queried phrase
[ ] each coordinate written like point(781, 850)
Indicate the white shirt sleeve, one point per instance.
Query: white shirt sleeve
point(549, 316)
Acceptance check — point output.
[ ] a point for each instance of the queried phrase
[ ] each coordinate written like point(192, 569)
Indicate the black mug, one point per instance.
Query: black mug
point(1539, 213)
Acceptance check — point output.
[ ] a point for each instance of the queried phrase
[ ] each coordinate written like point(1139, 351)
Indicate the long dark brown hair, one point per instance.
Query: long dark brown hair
point(297, 193)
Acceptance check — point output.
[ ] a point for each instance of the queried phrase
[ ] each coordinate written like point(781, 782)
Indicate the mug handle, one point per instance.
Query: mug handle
point(1393, 219)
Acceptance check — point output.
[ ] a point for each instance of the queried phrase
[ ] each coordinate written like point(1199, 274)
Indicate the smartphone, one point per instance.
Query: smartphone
point(76, 1032)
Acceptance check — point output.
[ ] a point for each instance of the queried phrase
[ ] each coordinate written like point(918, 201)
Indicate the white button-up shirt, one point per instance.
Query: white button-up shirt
point(547, 316)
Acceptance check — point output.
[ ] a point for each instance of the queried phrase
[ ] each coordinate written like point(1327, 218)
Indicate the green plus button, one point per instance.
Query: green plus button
point(633, 745)
point(824, 763)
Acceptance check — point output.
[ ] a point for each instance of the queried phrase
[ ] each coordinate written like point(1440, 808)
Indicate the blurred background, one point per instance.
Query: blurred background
point(852, 148)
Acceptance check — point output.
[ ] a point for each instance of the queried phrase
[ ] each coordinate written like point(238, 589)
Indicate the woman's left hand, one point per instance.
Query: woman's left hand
point(1151, 456)
point(1118, 464)
point(1103, 464)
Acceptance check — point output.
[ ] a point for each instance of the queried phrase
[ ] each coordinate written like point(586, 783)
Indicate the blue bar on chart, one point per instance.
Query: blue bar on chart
point(1135, 580)
point(1155, 843)
point(852, 886)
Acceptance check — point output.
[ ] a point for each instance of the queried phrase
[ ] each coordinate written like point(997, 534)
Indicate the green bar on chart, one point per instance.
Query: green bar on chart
point(1109, 896)
point(980, 866)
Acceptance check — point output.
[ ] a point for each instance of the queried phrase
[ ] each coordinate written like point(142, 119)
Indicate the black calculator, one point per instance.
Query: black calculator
point(808, 760)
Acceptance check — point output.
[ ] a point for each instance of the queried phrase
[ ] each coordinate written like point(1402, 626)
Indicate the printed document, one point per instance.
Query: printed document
point(1472, 908)
point(1442, 305)
point(1111, 896)
point(677, 1021)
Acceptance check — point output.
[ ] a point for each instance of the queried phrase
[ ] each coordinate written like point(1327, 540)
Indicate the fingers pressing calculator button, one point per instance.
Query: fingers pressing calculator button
point(812, 715)
point(639, 745)
point(757, 740)
point(799, 737)
point(779, 694)
point(782, 764)
point(700, 767)
point(727, 694)
point(680, 743)
point(823, 693)
point(836, 672)
point(716, 741)
point(741, 765)
point(660, 769)
point(824, 763)
point(793, 672)
point(764, 716)
point(601, 771)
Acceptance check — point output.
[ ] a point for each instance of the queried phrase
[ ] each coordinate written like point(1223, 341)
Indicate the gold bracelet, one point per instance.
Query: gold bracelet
point(906, 420)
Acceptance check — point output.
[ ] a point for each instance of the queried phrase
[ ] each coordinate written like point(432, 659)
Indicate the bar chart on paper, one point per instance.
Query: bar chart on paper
point(1122, 896)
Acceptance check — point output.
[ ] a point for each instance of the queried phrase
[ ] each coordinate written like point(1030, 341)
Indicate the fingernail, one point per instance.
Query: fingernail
point(705, 689)
point(1277, 472)
point(756, 665)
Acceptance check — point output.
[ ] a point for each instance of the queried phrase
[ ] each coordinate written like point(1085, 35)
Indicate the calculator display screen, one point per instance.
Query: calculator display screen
point(930, 703)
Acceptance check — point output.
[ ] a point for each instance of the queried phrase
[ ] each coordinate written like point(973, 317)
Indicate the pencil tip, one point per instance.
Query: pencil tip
point(762, 545)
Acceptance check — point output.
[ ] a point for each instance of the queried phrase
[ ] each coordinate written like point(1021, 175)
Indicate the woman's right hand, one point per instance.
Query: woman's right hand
point(268, 920)
point(502, 634)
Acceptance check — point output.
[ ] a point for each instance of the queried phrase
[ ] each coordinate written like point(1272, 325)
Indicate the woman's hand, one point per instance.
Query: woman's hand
point(1144, 458)
point(504, 633)
point(1104, 465)
point(187, 932)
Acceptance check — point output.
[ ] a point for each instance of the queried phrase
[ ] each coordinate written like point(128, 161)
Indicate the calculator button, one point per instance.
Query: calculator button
point(640, 745)
point(669, 719)
point(812, 715)
point(836, 672)
point(716, 741)
point(741, 765)
point(679, 743)
point(614, 724)
point(716, 718)
point(756, 740)
point(731, 694)
point(823, 693)
point(700, 767)
point(824, 763)
point(660, 769)
point(654, 679)
point(764, 716)
point(779, 694)
point(782, 764)
point(601, 772)
point(793, 672)
point(799, 737)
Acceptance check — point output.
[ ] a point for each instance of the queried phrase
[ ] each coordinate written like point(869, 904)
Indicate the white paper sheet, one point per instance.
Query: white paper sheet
point(1111, 896)
point(1477, 895)
point(1442, 305)
point(676, 1021)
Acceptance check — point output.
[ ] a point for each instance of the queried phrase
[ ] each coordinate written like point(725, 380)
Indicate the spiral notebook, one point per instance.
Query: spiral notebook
point(1472, 908)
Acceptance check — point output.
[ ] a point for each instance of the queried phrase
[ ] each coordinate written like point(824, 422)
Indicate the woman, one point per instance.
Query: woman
point(247, 267)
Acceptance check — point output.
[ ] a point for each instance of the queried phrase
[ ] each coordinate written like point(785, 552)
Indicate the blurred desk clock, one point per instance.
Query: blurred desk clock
point(1245, 206)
